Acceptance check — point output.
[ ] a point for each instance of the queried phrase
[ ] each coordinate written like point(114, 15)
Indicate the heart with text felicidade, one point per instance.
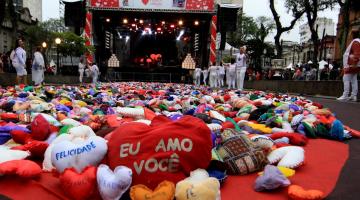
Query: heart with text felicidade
point(67, 154)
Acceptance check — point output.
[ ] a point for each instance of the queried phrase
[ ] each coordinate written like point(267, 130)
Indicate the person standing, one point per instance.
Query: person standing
point(232, 74)
point(197, 76)
point(38, 65)
point(94, 73)
point(81, 70)
point(221, 75)
point(205, 73)
point(240, 68)
point(351, 62)
point(18, 58)
point(213, 75)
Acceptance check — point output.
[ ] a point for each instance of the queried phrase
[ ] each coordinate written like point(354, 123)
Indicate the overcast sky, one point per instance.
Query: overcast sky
point(252, 8)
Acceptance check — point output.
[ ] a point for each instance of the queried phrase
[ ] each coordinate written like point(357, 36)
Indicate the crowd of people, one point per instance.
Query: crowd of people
point(18, 61)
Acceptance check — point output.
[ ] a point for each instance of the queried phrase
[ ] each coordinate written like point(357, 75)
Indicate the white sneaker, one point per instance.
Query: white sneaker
point(343, 98)
point(353, 98)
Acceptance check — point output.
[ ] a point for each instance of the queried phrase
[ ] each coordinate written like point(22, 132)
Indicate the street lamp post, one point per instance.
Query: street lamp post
point(44, 45)
point(57, 42)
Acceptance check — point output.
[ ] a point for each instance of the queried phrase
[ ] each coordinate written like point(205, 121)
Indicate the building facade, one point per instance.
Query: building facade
point(324, 25)
point(35, 7)
point(354, 29)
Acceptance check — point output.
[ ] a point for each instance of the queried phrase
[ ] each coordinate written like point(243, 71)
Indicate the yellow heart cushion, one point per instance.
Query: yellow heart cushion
point(287, 172)
point(206, 189)
point(164, 191)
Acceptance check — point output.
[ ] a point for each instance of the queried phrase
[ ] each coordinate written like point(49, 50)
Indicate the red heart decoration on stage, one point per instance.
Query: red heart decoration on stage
point(36, 148)
point(78, 186)
point(145, 2)
point(22, 168)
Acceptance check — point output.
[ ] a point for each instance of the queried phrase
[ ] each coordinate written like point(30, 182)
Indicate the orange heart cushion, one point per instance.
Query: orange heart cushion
point(298, 193)
point(164, 191)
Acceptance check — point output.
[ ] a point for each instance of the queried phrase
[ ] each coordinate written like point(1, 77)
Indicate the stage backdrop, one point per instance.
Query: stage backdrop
point(206, 5)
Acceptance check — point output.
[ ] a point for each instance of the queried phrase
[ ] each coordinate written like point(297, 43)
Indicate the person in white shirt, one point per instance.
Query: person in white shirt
point(221, 75)
point(18, 58)
point(231, 74)
point(94, 73)
point(205, 73)
point(213, 75)
point(81, 69)
point(240, 68)
point(351, 62)
point(38, 66)
point(197, 76)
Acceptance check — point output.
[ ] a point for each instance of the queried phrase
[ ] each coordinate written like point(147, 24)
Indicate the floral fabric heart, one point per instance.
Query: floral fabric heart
point(113, 184)
point(78, 186)
point(297, 192)
point(164, 191)
point(67, 154)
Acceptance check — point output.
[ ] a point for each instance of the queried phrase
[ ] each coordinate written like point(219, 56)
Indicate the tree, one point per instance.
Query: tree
point(296, 11)
point(55, 25)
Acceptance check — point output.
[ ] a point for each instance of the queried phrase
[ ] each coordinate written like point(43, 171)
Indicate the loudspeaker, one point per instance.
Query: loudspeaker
point(75, 14)
point(227, 18)
point(223, 41)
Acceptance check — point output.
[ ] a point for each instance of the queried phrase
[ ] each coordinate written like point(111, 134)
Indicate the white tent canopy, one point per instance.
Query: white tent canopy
point(228, 47)
point(323, 63)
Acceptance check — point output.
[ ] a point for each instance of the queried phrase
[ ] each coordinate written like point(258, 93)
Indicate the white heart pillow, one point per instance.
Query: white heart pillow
point(290, 157)
point(113, 184)
point(6, 154)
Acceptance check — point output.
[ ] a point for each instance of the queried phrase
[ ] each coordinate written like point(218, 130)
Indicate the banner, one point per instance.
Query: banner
point(207, 5)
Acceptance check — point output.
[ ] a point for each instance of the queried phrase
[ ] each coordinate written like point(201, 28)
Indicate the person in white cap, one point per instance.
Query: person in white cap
point(240, 68)
point(351, 62)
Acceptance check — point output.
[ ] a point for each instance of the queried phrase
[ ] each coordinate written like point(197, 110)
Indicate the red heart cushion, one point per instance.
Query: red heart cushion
point(295, 138)
point(22, 168)
point(166, 150)
point(36, 148)
point(78, 186)
point(20, 136)
point(40, 128)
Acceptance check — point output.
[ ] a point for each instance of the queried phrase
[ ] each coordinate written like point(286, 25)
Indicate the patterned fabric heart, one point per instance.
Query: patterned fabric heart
point(164, 191)
point(113, 184)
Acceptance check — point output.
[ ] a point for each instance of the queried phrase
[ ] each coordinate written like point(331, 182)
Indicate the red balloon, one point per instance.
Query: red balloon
point(79, 186)
point(153, 56)
point(22, 168)
point(148, 60)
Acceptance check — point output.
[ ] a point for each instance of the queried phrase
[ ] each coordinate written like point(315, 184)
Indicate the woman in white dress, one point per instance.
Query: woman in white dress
point(81, 69)
point(205, 73)
point(221, 75)
point(38, 66)
point(213, 76)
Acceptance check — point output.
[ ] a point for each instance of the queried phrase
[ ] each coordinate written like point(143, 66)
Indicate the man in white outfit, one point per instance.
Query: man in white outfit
point(351, 62)
point(94, 73)
point(231, 74)
point(240, 68)
point(81, 69)
point(221, 75)
point(205, 73)
point(197, 76)
point(213, 75)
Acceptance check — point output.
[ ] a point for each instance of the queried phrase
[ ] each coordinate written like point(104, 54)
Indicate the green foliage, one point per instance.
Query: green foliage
point(55, 25)
point(72, 44)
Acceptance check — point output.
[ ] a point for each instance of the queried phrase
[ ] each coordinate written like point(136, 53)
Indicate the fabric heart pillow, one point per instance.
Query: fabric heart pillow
point(290, 157)
point(165, 150)
point(164, 191)
point(198, 186)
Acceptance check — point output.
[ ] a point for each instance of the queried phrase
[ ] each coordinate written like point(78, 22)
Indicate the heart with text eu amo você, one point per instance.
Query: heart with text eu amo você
point(67, 154)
